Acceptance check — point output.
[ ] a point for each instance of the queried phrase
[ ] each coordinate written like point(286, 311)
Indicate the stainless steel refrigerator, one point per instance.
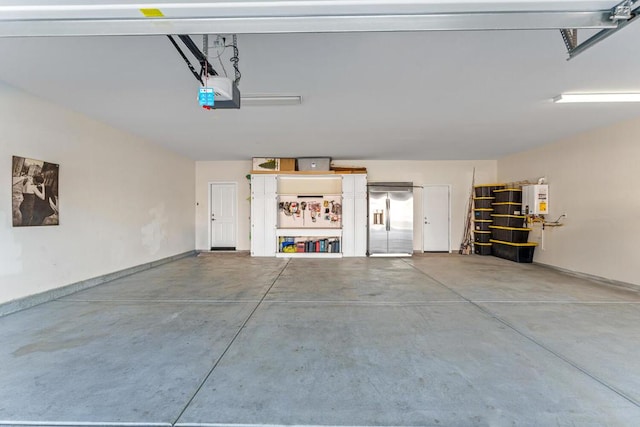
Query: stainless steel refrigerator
point(390, 219)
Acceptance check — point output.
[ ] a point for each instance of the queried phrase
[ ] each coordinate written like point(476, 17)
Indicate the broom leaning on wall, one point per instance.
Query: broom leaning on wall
point(467, 239)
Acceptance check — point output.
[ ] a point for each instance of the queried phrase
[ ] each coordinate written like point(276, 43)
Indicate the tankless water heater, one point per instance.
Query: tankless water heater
point(535, 199)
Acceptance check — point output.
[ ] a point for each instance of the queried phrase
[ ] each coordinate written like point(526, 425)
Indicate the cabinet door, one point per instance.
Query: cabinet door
point(348, 231)
point(257, 184)
point(360, 224)
point(257, 224)
point(348, 184)
point(347, 243)
point(263, 215)
point(360, 184)
point(270, 213)
point(360, 215)
point(270, 184)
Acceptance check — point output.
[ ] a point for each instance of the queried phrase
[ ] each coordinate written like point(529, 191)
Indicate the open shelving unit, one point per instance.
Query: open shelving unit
point(309, 216)
point(323, 240)
point(323, 214)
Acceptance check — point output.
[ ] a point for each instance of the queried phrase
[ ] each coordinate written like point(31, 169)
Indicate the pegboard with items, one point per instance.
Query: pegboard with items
point(309, 218)
point(309, 211)
point(321, 215)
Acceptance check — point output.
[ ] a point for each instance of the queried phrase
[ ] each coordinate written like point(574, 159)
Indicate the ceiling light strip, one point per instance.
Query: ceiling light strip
point(566, 98)
point(267, 100)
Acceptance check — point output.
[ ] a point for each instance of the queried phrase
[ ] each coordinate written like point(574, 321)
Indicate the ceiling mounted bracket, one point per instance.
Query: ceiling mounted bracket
point(570, 38)
point(622, 12)
point(622, 15)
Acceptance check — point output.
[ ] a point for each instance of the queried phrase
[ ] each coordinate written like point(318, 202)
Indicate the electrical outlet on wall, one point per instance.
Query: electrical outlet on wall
point(219, 42)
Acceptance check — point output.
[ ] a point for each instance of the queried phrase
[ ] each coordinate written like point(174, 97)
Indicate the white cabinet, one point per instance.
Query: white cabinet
point(345, 238)
point(348, 215)
point(263, 215)
point(354, 215)
point(309, 216)
point(360, 215)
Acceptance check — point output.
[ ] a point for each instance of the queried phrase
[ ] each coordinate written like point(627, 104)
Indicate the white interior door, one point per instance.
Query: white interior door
point(223, 215)
point(436, 228)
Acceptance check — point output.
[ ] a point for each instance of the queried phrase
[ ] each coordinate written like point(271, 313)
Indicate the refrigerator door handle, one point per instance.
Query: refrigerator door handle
point(388, 222)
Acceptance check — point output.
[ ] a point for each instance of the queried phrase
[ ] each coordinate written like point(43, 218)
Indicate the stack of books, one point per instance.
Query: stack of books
point(311, 245)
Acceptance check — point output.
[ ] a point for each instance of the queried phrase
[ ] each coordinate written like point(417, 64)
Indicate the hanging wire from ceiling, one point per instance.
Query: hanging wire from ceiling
point(220, 47)
point(235, 59)
point(205, 51)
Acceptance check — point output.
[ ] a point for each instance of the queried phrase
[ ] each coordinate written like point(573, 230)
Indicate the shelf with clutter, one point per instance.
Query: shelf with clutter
point(297, 245)
point(309, 211)
point(309, 220)
point(319, 213)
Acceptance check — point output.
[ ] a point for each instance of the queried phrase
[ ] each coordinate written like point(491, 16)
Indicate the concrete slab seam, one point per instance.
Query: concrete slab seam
point(277, 425)
point(561, 357)
point(226, 350)
point(369, 303)
point(158, 301)
point(533, 340)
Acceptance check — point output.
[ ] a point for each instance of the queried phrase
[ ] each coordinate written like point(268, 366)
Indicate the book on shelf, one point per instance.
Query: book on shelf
point(301, 245)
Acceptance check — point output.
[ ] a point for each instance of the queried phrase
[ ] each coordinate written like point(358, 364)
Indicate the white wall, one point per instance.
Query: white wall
point(456, 173)
point(594, 178)
point(123, 202)
point(223, 171)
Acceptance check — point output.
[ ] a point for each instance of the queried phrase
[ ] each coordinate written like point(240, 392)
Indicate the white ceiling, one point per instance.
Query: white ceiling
point(387, 95)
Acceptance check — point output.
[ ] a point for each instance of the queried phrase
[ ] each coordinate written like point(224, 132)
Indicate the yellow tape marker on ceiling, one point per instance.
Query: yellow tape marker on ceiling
point(152, 13)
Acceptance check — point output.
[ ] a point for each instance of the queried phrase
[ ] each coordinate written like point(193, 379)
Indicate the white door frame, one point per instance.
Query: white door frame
point(422, 211)
point(210, 208)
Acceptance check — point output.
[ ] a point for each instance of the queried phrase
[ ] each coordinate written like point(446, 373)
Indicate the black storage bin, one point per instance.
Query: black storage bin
point(482, 224)
point(486, 190)
point(508, 195)
point(483, 202)
point(510, 234)
point(516, 221)
point(482, 248)
point(481, 236)
point(482, 214)
point(507, 208)
point(518, 252)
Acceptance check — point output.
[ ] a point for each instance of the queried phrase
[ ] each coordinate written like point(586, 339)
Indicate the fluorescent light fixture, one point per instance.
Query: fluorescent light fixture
point(597, 97)
point(268, 100)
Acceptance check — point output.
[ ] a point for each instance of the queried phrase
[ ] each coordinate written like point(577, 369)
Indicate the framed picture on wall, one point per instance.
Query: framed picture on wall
point(34, 192)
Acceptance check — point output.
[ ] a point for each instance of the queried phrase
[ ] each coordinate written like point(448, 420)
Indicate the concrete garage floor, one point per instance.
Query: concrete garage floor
point(229, 340)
